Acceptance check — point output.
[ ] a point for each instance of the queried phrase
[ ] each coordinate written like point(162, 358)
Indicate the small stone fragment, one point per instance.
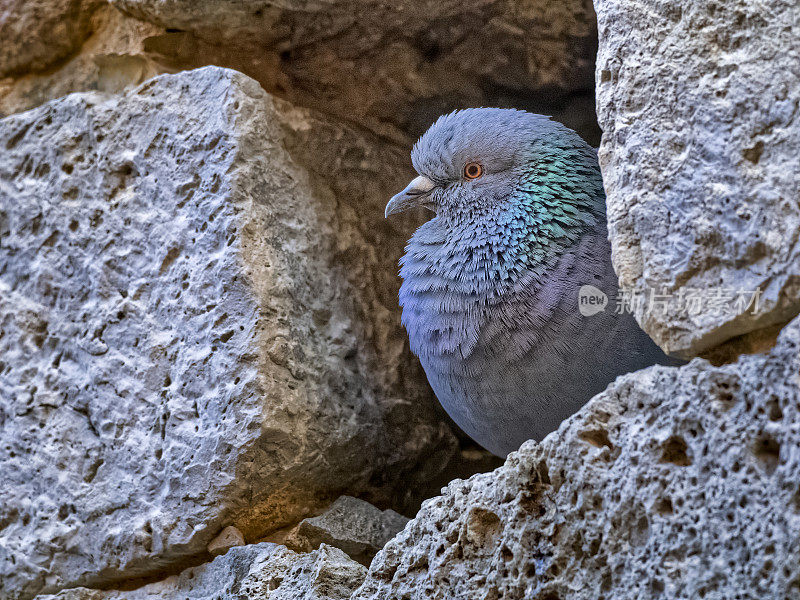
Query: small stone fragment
point(352, 525)
point(227, 539)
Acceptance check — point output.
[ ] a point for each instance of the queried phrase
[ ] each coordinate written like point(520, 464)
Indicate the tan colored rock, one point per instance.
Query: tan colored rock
point(228, 538)
point(37, 33)
point(199, 328)
point(676, 482)
point(698, 105)
point(111, 58)
point(394, 66)
point(256, 572)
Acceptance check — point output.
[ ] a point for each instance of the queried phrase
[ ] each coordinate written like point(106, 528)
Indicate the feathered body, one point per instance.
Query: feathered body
point(490, 285)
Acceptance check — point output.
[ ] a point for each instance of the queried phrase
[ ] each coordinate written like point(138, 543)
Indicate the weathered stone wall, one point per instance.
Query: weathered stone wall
point(200, 348)
point(110, 58)
point(36, 35)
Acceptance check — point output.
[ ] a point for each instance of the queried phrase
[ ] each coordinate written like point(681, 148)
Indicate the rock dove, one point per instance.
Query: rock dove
point(491, 284)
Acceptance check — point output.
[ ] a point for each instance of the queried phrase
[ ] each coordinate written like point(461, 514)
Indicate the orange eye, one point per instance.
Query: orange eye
point(473, 170)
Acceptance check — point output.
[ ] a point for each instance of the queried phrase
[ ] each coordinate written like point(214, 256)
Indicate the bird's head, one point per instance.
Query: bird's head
point(474, 160)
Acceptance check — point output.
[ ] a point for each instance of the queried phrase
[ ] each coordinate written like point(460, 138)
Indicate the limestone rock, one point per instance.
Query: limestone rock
point(228, 538)
point(698, 105)
point(350, 524)
point(198, 328)
point(111, 58)
point(675, 482)
point(256, 572)
point(37, 33)
point(394, 66)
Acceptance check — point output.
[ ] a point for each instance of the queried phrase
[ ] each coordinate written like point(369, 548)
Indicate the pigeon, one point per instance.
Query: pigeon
point(493, 283)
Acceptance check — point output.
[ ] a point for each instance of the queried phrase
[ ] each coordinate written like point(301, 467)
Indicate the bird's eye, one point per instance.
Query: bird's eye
point(473, 170)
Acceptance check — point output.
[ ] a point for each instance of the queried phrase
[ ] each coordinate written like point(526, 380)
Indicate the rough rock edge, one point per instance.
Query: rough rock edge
point(679, 482)
point(248, 572)
point(698, 105)
point(259, 511)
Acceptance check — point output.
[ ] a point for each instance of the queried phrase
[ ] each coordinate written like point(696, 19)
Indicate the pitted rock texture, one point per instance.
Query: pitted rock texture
point(675, 482)
point(350, 524)
point(698, 102)
point(256, 572)
point(196, 330)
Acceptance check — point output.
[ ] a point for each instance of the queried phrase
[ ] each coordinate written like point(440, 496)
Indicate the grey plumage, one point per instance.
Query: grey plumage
point(490, 284)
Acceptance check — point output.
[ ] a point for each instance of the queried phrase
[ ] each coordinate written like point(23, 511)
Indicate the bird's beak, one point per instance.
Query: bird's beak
point(414, 195)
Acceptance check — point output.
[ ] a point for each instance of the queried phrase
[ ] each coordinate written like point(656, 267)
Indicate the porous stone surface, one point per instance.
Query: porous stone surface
point(394, 66)
point(676, 482)
point(198, 328)
point(257, 572)
point(350, 524)
point(698, 102)
point(37, 33)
